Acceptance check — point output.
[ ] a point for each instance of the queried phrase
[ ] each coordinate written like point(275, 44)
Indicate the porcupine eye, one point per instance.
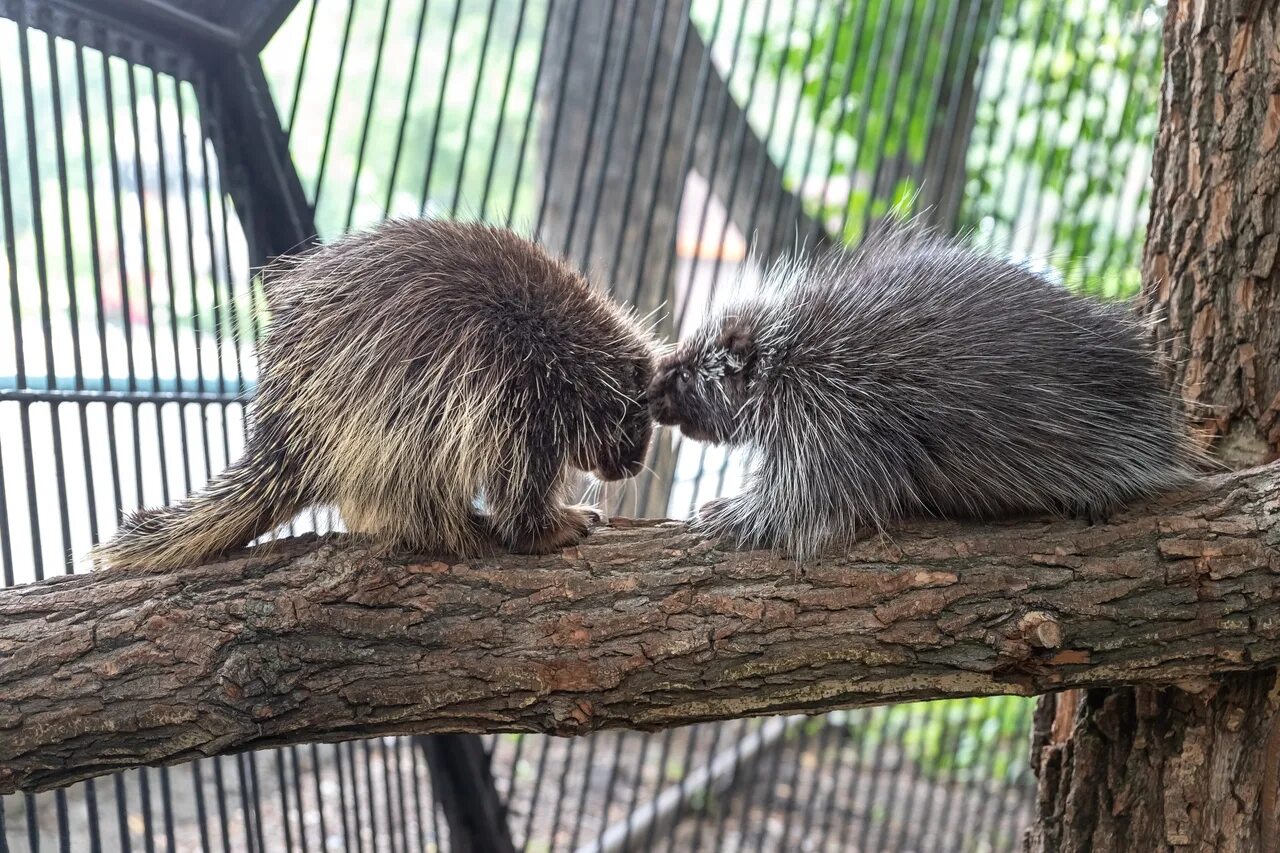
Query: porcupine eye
point(683, 378)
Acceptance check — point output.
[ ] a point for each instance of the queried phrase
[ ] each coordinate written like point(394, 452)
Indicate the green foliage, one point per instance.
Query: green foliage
point(949, 739)
point(1066, 110)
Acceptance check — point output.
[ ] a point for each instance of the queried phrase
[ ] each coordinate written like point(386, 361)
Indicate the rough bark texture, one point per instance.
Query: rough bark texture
point(1210, 270)
point(1194, 767)
point(642, 626)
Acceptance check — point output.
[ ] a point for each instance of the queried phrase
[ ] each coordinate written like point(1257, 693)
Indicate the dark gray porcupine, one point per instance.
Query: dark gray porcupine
point(407, 370)
point(917, 377)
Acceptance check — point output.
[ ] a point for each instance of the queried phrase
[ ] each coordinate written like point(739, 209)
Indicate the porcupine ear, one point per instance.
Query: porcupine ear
point(738, 341)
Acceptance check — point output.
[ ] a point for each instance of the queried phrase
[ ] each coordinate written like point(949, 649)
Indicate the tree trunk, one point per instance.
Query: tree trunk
point(642, 626)
point(1194, 766)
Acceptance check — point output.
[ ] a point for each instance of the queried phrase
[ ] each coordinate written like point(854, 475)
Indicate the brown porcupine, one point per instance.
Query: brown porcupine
point(917, 377)
point(408, 370)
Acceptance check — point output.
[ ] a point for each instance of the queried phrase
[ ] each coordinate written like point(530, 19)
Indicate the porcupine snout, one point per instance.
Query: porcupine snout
point(681, 396)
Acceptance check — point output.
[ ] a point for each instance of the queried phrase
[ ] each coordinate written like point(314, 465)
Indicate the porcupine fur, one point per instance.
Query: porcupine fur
point(407, 370)
point(917, 377)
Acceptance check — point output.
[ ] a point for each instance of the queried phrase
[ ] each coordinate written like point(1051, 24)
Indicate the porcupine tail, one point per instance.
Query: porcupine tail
point(243, 502)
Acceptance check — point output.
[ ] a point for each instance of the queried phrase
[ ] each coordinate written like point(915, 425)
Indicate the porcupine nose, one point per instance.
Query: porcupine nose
point(661, 406)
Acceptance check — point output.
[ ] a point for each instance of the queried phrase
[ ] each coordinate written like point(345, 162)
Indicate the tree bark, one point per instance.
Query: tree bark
point(642, 626)
point(1194, 766)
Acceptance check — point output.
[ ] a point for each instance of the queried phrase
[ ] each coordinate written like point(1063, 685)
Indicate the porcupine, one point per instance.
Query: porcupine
point(917, 377)
point(407, 370)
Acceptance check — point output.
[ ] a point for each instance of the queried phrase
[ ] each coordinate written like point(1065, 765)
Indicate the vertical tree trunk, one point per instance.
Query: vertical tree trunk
point(1194, 766)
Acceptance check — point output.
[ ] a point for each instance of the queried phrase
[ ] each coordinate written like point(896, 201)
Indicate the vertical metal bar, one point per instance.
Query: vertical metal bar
point(502, 108)
point(471, 109)
point(355, 795)
point(92, 818)
point(405, 103)
point(557, 112)
point(72, 293)
point(649, 77)
point(387, 802)
point(439, 115)
point(402, 827)
point(611, 119)
point(33, 823)
point(148, 823)
point(251, 759)
point(140, 176)
point(600, 75)
point(562, 782)
point(877, 776)
point(367, 123)
point(300, 77)
point(167, 808)
point(283, 789)
point(536, 793)
point(99, 300)
point(242, 778)
point(162, 180)
point(202, 817)
point(667, 737)
point(197, 331)
point(740, 131)
point(634, 800)
point(333, 105)
point(416, 775)
point(295, 781)
point(709, 756)
point(793, 787)
point(123, 276)
point(528, 114)
point(342, 796)
point(690, 753)
point(825, 77)
point(827, 768)
point(611, 781)
point(220, 791)
point(722, 821)
point(320, 804)
point(923, 818)
point(230, 321)
point(371, 797)
point(866, 725)
point(705, 69)
point(1153, 41)
point(122, 813)
point(713, 795)
point(907, 807)
point(845, 86)
point(580, 811)
point(37, 227)
point(891, 96)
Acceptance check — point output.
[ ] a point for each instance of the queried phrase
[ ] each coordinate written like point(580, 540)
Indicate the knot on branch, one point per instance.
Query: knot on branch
point(1040, 630)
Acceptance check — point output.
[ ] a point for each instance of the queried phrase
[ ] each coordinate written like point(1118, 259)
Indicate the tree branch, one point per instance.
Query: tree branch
point(644, 626)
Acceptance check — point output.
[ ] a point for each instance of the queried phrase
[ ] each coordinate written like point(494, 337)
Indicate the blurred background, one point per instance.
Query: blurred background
point(154, 153)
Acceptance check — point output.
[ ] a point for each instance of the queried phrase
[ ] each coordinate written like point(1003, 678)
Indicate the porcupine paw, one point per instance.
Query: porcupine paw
point(595, 516)
point(715, 518)
point(572, 524)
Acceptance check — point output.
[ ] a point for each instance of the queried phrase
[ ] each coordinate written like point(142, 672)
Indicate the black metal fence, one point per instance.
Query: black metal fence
point(154, 152)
